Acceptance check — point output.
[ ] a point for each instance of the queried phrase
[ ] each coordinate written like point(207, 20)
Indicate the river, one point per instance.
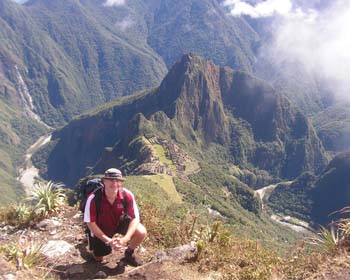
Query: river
point(301, 226)
point(28, 172)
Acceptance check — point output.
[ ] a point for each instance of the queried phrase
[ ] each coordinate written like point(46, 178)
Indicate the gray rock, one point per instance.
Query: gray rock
point(182, 253)
point(76, 269)
point(9, 277)
point(6, 228)
point(100, 275)
point(56, 248)
point(78, 215)
point(53, 232)
point(48, 224)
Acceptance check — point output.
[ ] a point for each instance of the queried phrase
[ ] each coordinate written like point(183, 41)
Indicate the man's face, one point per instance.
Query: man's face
point(112, 184)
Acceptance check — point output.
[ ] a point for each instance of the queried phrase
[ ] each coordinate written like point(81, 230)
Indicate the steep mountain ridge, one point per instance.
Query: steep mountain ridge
point(65, 62)
point(74, 55)
point(18, 128)
point(316, 198)
point(333, 126)
point(73, 64)
point(203, 27)
point(198, 105)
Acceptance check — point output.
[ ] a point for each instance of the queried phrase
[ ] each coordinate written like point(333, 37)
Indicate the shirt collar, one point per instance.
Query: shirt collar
point(120, 195)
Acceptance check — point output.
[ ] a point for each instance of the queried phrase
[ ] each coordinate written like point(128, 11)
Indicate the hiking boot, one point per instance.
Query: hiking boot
point(132, 260)
point(97, 258)
point(120, 268)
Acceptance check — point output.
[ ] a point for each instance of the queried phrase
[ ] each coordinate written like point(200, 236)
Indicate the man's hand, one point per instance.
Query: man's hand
point(119, 243)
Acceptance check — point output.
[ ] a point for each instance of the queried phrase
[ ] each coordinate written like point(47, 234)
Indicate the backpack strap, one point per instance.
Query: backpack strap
point(124, 200)
point(98, 199)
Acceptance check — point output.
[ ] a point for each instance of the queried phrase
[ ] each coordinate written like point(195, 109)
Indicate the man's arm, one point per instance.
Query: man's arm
point(95, 229)
point(131, 230)
point(121, 243)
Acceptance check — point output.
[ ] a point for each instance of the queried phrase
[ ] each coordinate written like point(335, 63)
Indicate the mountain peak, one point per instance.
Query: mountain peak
point(198, 104)
point(191, 59)
point(191, 94)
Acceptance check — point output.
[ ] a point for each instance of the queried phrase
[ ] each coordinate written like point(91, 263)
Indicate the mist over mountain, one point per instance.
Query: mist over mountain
point(304, 55)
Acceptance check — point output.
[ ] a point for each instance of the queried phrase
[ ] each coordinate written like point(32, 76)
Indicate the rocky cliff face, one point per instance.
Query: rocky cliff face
point(316, 198)
point(197, 104)
point(99, 52)
point(331, 191)
point(73, 64)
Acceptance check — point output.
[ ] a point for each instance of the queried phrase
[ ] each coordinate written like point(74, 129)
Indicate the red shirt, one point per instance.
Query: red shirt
point(110, 214)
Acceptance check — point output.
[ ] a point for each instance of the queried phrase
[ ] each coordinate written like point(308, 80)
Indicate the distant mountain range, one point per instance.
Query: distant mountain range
point(60, 59)
point(74, 55)
point(200, 106)
point(64, 57)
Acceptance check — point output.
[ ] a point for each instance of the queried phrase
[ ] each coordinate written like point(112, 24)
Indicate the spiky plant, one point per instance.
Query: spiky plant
point(47, 197)
point(206, 234)
point(344, 223)
point(22, 211)
point(17, 215)
point(327, 239)
point(343, 226)
point(31, 255)
point(11, 251)
point(25, 255)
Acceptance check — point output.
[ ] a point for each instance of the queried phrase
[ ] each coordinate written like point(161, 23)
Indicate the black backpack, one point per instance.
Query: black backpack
point(90, 185)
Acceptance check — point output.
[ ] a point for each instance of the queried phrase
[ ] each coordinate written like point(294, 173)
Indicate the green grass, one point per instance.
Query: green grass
point(167, 184)
point(5, 161)
point(148, 191)
point(160, 152)
point(9, 187)
point(16, 135)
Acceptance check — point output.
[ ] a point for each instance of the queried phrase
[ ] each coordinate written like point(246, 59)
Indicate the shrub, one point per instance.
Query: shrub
point(165, 231)
point(219, 250)
point(327, 239)
point(47, 198)
point(25, 254)
point(19, 214)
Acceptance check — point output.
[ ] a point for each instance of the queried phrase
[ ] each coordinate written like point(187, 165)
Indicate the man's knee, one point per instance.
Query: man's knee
point(141, 231)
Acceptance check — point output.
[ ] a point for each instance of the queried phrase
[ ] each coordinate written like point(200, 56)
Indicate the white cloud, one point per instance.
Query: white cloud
point(316, 39)
point(321, 44)
point(110, 3)
point(125, 24)
point(261, 9)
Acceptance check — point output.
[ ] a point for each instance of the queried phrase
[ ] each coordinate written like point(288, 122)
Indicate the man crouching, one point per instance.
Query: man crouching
point(118, 213)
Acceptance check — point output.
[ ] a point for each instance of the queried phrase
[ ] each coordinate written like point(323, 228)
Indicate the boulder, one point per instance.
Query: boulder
point(56, 248)
point(181, 253)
